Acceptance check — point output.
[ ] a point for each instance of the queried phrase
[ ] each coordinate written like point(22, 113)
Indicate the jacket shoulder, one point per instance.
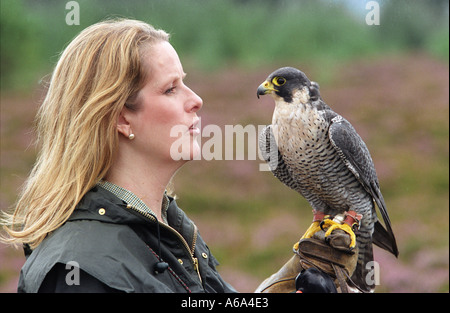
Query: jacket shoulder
point(111, 253)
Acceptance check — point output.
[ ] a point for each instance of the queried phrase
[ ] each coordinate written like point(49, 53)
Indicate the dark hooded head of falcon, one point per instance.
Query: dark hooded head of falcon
point(290, 85)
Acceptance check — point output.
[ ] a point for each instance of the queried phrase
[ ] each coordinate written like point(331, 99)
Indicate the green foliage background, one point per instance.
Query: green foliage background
point(213, 33)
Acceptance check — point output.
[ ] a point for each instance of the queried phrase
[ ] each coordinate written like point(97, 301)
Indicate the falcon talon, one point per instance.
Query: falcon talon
point(322, 223)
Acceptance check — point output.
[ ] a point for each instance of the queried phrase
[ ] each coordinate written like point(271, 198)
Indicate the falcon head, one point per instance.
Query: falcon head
point(290, 85)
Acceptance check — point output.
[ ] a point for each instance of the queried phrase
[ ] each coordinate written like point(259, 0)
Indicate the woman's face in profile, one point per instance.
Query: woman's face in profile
point(165, 121)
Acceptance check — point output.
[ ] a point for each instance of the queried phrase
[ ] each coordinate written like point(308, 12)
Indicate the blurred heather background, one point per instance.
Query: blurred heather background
point(389, 80)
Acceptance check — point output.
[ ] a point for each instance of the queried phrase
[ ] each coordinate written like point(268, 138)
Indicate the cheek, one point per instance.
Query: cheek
point(160, 115)
point(161, 118)
point(162, 130)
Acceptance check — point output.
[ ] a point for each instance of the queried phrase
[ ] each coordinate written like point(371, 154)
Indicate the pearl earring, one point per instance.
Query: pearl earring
point(131, 136)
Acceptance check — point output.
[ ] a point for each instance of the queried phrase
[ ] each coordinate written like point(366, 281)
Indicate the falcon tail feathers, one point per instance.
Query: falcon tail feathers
point(384, 240)
point(385, 237)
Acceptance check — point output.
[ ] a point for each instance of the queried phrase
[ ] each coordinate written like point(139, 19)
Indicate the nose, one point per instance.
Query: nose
point(194, 103)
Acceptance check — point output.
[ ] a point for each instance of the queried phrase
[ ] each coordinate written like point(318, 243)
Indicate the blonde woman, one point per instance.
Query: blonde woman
point(94, 214)
point(96, 196)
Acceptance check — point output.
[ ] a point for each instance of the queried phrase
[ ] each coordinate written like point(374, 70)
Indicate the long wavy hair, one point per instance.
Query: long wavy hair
point(100, 70)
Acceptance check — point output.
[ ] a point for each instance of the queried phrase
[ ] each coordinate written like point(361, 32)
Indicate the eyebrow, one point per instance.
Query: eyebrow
point(176, 77)
point(171, 80)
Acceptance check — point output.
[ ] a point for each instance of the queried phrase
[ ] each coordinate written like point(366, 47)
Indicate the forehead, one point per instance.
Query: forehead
point(163, 61)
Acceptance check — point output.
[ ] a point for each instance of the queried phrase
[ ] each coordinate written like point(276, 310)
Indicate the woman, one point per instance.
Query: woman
point(94, 215)
point(96, 197)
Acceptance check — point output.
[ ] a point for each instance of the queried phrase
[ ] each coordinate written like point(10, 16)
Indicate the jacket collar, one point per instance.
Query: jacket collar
point(101, 205)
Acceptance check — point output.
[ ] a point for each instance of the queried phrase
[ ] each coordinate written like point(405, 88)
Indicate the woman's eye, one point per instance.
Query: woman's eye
point(170, 90)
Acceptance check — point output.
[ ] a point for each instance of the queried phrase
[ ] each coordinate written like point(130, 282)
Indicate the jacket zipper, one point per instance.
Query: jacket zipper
point(194, 239)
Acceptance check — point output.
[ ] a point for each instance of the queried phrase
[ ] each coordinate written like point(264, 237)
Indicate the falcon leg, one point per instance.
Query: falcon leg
point(315, 227)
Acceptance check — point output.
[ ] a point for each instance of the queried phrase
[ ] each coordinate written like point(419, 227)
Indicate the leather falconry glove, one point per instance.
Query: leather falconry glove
point(330, 255)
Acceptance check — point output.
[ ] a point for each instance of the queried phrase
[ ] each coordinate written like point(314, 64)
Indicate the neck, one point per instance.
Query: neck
point(147, 180)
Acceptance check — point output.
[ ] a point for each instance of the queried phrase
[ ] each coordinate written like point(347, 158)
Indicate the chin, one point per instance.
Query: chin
point(196, 151)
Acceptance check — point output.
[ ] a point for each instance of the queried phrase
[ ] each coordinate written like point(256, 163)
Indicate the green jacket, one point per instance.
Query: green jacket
point(116, 249)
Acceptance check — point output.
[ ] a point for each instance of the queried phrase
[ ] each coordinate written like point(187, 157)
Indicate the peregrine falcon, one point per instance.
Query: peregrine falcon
point(316, 152)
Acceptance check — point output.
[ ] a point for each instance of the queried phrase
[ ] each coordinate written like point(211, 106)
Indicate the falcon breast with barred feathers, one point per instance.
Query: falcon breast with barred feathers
point(316, 152)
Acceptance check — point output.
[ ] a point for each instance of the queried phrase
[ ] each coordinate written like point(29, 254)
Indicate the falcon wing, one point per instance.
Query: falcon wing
point(353, 151)
point(270, 153)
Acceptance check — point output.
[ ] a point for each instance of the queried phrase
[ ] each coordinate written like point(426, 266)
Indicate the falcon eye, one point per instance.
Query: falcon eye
point(279, 81)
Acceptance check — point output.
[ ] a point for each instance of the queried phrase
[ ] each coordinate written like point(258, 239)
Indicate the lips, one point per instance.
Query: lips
point(194, 129)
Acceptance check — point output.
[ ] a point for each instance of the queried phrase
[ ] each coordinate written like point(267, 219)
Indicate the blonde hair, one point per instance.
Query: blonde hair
point(98, 72)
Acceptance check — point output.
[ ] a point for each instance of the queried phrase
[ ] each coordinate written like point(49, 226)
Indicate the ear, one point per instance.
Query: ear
point(123, 125)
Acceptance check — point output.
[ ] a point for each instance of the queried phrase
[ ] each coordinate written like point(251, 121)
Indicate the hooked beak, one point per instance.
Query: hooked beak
point(265, 88)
